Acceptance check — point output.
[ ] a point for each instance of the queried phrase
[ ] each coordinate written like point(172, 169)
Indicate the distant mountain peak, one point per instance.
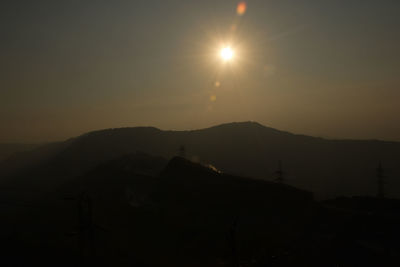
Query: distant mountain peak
point(248, 126)
point(241, 124)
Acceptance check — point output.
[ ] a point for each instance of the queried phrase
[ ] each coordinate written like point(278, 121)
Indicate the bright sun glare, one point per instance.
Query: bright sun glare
point(227, 53)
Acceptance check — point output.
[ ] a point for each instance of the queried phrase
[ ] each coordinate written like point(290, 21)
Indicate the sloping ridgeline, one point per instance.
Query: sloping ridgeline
point(329, 168)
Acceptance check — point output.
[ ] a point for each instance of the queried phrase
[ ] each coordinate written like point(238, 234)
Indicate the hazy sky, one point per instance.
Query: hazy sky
point(317, 67)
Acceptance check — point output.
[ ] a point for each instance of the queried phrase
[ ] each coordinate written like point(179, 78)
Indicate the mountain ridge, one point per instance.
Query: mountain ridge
point(327, 167)
point(229, 125)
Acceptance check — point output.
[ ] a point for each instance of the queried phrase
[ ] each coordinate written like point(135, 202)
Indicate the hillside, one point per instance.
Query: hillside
point(328, 168)
point(145, 211)
point(172, 214)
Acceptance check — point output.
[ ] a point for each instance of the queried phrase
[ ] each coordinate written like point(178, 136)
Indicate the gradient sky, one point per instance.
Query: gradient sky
point(316, 67)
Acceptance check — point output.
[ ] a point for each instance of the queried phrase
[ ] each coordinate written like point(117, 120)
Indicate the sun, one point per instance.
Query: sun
point(227, 53)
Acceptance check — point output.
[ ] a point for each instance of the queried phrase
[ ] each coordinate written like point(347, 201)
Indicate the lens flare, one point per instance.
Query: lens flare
point(241, 8)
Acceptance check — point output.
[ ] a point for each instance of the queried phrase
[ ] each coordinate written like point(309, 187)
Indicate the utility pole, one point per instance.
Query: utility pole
point(380, 175)
point(85, 226)
point(232, 242)
point(279, 173)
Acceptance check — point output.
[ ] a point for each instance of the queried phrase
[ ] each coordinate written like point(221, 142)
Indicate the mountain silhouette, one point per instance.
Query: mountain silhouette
point(328, 168)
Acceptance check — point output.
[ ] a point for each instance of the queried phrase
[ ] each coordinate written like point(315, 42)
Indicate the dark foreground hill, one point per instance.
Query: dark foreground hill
point(326, 167)
point(139, 210)
point(144, 211)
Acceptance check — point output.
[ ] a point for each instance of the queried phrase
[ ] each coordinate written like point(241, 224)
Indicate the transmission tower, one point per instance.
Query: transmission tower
point(380, 175)
point(279, 173)
point(182, 151)
point(85, 225)
point(232, 242)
